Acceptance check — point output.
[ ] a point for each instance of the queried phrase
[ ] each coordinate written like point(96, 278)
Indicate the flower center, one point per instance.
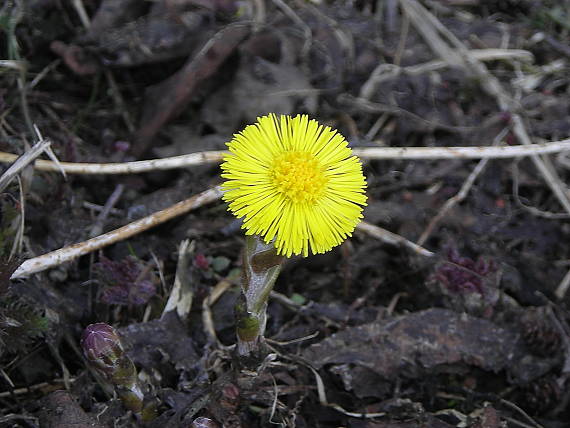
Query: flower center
point(299, 176)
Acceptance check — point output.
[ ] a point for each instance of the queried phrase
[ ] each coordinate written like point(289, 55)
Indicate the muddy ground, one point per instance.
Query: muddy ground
point(471, 328)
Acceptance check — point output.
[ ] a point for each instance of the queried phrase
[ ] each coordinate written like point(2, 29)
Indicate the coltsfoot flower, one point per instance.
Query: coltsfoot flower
point(296, 182)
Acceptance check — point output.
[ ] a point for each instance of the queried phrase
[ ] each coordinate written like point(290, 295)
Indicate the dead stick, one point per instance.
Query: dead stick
point(57, 257)
point(365, 153)
point(392, 238)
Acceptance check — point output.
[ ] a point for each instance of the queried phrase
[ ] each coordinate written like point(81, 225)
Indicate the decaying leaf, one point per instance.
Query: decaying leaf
point(430, 340)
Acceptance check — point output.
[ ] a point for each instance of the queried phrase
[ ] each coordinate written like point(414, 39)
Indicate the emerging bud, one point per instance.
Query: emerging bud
point(102, 347)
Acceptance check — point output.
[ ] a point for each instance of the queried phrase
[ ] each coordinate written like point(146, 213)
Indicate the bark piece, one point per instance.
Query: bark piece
point(414, 344)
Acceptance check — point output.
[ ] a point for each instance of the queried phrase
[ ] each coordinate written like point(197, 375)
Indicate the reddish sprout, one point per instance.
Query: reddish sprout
point(102, 347)
point(464, 275)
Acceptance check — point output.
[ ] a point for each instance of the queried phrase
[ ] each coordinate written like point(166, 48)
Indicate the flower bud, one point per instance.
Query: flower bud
point(102, 347)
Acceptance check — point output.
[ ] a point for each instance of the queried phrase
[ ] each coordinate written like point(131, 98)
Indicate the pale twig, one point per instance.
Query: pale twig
point(49, 151)
point(39, 77)
point(293, 341)
point(365, 153)
point(135, 167)
point(478, 152)
point(462, 194)
point(21, 162)
point(57, 257)
point(13, 64)
point(392, 238)
point(428, 30)
point(14, 171)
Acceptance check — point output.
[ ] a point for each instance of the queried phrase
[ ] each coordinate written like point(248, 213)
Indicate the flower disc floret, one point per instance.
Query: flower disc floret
point(296, 182)
point(299, 176)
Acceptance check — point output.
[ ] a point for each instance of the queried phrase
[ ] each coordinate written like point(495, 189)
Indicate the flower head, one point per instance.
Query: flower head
point(294, 181)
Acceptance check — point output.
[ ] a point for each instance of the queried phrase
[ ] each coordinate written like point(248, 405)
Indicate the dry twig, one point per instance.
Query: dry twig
point(392, 238)
point(57, 257)
point(365, 153)
point(21, 162)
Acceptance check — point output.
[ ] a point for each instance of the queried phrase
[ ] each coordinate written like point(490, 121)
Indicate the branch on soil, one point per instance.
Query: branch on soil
point(57, 257)
point(392, 238)
point(21, 162)
point(365, 153)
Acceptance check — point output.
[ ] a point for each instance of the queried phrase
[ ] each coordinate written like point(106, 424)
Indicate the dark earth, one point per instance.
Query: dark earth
point(472, 329)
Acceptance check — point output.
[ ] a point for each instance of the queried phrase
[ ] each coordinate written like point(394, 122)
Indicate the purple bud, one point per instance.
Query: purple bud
point(102, 347)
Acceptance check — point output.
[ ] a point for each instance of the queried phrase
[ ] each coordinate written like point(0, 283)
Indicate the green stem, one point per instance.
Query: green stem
point(261, 267)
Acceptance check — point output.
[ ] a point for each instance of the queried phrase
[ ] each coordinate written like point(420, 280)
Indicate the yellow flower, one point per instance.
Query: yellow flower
point(294, 181)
